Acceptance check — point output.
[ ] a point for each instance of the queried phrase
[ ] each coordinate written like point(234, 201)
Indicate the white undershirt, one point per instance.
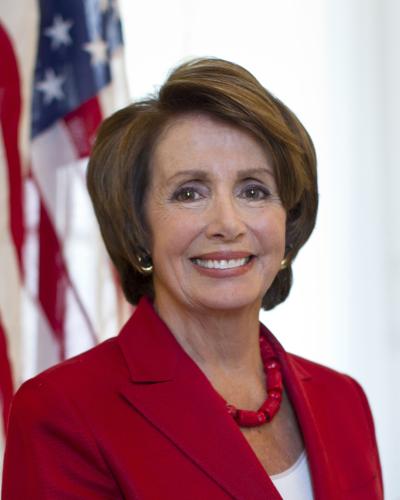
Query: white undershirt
point(295, 482)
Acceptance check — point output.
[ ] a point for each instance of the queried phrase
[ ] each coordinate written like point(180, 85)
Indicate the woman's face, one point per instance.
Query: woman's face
point(216, 221)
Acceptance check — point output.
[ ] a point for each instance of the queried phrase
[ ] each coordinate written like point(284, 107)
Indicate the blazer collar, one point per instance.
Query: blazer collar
point(150, 350)
point(169, 389)
point(303, 393)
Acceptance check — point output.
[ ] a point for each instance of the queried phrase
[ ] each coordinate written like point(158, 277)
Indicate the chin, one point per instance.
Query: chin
point(229, 302)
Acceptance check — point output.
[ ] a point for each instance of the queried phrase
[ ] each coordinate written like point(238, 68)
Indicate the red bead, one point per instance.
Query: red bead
point(232, 410)
point(247, 418)
point(274, 379)
point(266, 351)
point(275, 394)
point(271, 407)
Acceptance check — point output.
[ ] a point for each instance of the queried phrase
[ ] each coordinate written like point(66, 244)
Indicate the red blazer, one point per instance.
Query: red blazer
point(135, 418)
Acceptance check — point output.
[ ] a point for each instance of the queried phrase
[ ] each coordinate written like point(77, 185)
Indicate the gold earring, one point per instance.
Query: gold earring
point(284, 264)
point(145, 264)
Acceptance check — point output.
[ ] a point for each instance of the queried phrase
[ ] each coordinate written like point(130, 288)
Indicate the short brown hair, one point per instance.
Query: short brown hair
point(118, 173)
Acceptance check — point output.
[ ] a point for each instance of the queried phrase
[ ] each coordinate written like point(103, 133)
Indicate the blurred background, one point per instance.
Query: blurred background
point(335, 63)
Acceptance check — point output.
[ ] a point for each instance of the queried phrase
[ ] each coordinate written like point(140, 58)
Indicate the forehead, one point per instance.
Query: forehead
point(200, 141)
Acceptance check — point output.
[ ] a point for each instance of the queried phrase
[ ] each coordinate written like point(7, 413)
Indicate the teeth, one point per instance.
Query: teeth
point(221, 264)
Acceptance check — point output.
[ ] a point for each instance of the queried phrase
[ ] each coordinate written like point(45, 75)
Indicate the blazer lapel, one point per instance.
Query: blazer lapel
point(301, 390)
point(169, 390)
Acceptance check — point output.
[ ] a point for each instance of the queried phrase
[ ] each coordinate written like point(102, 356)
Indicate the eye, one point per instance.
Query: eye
point(255, 192)
point(186, 193)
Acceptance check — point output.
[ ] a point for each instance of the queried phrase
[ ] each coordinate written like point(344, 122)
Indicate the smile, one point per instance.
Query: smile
point(221, 264)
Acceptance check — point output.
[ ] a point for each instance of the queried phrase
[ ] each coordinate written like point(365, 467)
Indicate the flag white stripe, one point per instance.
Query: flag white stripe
point(21, 20)
point(10, 296)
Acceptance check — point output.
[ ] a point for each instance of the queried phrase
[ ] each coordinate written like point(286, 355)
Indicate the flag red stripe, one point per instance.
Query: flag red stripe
point(10, 109)
point(82, 124)
point(6, 383)
point(54, 280)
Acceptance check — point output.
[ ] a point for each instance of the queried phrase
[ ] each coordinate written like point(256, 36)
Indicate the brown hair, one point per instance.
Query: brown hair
point(118, 173)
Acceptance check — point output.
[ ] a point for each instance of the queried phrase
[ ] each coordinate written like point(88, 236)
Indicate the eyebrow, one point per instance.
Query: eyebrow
point(248, 172)
point(201, 174)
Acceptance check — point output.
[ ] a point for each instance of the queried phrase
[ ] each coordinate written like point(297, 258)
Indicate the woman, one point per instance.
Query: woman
point(204, 196)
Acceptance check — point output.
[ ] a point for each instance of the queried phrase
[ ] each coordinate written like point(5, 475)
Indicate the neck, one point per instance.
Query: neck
point(219, 342)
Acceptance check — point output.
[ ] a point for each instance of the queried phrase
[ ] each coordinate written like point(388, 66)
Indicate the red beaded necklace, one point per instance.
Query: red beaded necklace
point(270, 407)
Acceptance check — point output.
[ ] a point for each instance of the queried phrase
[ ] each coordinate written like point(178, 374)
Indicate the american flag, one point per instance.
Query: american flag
point(61, 73)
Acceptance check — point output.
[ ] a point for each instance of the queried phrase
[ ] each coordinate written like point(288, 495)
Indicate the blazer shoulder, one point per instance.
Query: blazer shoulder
point(76, 385)
point(51, 442)
point(320, 372)
point(97, 367)
point(338, 394)
point(332, 383)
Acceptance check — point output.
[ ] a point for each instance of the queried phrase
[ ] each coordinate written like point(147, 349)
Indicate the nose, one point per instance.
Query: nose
point(226, 221)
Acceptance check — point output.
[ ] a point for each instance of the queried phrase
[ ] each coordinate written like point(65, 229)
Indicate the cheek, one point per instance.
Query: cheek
point(172, 233)
point(272, 232)
point(160, 224)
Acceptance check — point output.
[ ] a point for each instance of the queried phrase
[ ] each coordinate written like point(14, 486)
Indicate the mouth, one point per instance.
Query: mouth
point(221, 264)
point(222, 260)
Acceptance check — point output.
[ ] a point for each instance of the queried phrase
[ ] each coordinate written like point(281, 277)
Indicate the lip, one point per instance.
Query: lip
point(224, 273)
point(223, 255)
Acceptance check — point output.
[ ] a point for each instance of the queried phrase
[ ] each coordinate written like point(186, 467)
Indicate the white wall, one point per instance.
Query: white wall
point(335, 63)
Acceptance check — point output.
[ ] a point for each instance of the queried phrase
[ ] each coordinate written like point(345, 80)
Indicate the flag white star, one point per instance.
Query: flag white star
point(59, 32)
point(51, 86)
point(97, 49)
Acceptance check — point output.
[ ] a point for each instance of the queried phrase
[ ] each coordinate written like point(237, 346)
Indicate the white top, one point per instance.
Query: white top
point(295, 482)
